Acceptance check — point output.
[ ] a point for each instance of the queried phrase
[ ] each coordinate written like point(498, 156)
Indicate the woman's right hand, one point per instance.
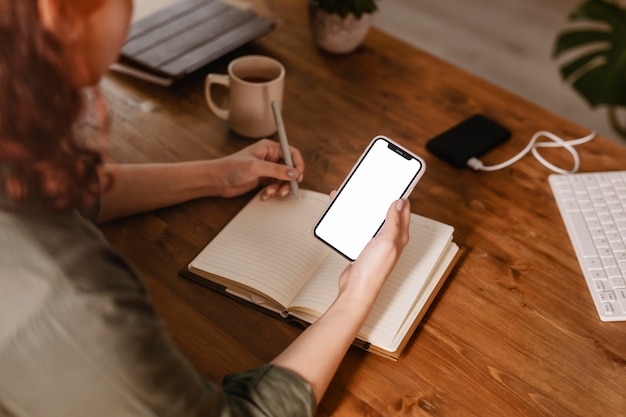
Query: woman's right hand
point(365, 277)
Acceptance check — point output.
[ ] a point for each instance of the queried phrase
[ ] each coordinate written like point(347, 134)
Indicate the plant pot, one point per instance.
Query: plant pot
point(335, 34)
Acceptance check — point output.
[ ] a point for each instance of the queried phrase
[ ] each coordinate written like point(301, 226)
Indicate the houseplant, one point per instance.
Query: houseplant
point(339, 26)
point(594, 56)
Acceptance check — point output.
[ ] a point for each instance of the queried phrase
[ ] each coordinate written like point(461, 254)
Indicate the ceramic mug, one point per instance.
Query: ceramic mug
point(253, 81)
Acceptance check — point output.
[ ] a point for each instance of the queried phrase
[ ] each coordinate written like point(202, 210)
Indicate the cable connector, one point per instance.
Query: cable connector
point(475, 163)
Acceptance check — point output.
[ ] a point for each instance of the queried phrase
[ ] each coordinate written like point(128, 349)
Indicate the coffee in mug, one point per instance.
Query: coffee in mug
point(253, 81)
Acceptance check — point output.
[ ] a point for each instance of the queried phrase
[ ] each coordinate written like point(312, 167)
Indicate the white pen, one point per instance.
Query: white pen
point(282, 136)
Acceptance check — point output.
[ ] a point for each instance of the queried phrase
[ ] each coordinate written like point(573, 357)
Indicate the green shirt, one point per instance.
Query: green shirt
point(79, 336)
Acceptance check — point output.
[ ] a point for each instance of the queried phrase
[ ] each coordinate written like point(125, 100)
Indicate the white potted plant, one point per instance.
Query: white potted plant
point(339, 26)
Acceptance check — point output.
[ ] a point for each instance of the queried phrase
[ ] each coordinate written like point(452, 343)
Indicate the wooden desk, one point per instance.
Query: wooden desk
point(514, 331)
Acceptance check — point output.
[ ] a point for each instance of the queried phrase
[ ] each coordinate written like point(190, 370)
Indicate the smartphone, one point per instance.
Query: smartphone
point(471, 138)
point(384, 173)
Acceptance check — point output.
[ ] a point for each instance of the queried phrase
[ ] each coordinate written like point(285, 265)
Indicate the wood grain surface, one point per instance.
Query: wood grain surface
point(513, 332)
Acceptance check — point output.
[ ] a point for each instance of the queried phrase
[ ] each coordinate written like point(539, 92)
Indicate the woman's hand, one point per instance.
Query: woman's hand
point(366, 276)
point(259, 164)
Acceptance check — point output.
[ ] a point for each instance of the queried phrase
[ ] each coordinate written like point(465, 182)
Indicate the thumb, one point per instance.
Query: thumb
point(396, 225)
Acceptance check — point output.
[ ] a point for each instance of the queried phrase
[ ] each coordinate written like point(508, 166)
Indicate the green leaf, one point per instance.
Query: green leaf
point(598, 71)
point(576, 65)
point(578, 38)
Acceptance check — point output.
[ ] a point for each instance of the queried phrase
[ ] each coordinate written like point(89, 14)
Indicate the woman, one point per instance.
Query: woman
point(78, 335)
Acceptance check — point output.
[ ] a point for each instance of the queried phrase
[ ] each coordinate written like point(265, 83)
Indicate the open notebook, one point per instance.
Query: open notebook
point(267, 256)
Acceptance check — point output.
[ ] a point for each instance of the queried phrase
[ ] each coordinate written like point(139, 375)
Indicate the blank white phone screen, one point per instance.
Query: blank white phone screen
point(359, 209)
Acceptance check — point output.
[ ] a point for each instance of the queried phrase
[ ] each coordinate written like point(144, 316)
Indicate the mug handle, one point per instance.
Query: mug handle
point(220, 79)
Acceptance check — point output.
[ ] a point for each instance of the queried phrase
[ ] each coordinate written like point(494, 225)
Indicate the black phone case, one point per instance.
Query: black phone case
point(472, 137)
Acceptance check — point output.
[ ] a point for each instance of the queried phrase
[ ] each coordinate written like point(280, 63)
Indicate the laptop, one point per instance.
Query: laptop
point(172, 43)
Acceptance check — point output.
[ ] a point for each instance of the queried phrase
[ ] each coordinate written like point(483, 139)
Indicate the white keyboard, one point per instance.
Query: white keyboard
point(593, 207)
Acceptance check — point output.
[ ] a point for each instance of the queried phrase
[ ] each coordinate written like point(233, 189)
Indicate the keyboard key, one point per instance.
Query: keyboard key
point(598, 274)
point(613, 272)
point(618, 213)
point(571, 205)
point(620, 256)
point(595, 263)
point(621, 298)
point(578, 185)
point(590, 181)
point(609, 227)
point(609, 262)
point(594, 223)
point(602, 209)
point(614, 237)
point(584, 238)
point(607, 308)
point(618, 283)
point(598, 233)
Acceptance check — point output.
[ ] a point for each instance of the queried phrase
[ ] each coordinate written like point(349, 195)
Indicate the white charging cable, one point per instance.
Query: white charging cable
point(557, 142)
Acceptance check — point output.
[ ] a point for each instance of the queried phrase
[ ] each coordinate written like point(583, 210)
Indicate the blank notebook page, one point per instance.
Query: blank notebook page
point(282, 266)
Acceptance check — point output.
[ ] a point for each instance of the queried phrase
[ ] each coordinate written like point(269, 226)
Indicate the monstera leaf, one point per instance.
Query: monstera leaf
point(598, 70)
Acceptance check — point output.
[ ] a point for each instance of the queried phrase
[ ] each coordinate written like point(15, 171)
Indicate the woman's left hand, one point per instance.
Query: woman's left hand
point(259, 164)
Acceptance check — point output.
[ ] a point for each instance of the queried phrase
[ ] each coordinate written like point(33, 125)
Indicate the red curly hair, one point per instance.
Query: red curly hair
point(43, 158)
